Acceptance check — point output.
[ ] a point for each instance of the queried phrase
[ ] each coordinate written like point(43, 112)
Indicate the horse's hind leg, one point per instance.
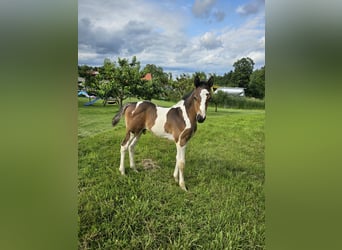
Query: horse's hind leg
point(131, 148)
point(124, 146)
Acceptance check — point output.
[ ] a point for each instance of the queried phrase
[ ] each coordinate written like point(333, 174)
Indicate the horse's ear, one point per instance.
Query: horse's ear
point(210, 82)
point(197, 81)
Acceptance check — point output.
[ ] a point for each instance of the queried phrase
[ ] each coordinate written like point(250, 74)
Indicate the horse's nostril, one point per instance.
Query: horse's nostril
point(200, 118)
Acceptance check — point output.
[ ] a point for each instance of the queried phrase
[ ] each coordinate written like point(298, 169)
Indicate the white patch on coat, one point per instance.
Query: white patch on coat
point(159, 124)
point(158, 127)
point(181, 105)
point(136, 106)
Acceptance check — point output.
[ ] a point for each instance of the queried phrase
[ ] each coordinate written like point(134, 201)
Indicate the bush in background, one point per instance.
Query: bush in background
point(224, 100)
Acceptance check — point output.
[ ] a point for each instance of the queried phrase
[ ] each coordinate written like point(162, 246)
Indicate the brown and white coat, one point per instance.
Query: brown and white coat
point(177, 123)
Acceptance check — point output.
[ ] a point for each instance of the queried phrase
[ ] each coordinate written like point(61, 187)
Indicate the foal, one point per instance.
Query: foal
point(177, 123)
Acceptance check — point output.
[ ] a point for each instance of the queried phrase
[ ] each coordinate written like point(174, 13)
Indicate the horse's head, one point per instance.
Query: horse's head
point(202, 94)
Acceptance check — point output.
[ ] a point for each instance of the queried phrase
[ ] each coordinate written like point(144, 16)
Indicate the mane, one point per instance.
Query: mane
point(188, 99)
point(186, 96)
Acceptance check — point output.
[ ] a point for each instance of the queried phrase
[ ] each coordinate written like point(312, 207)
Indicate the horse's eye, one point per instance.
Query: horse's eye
point(195, 97)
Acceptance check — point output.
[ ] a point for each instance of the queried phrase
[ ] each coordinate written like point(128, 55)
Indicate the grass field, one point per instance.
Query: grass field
point(224, 172)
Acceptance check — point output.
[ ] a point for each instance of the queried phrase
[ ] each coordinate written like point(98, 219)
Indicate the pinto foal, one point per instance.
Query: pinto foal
point(177, 123)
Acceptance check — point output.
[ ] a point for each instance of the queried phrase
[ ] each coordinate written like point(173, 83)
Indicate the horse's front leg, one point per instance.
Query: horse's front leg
point(180, 164)
point(176, 171)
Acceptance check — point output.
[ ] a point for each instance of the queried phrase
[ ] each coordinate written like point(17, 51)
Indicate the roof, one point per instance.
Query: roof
point(232, 91)
point(147, 77)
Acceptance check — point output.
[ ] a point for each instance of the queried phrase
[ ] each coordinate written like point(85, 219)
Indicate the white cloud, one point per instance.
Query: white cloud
point(210, 41)
point(123, 28)
point(258, 58)
point(231, 44)
point(158, 36)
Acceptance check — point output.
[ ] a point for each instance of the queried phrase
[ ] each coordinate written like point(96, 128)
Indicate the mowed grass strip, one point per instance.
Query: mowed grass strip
point(224, 172)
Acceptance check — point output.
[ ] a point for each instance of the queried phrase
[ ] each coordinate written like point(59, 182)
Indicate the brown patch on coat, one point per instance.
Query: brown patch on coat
point(175, 123)
point(141, 117)
point(187, 134)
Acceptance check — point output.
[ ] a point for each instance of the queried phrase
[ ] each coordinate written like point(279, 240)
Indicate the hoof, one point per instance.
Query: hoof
point(183, 187)
point(122, 171)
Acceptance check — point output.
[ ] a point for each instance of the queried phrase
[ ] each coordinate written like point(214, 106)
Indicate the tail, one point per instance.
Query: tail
point(118, 116)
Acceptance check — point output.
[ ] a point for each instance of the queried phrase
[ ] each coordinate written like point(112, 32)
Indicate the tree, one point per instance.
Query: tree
point(201, 75)
point(104, 82)
point(118, 80)
point(219, 99)
point(225, 80)
point(256, 87)
point(178, 88)
point(83, 70)
point(154, 88)
point(87, 72)
point(127, 79)
point(243, 69)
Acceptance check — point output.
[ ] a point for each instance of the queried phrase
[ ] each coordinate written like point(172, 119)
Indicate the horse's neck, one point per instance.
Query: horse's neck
point(190, 108)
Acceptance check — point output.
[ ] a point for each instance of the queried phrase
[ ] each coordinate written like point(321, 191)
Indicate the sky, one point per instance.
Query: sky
point(179, 36)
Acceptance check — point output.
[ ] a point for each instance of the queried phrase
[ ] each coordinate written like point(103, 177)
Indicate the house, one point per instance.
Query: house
point(234, 91)
point(80, 83)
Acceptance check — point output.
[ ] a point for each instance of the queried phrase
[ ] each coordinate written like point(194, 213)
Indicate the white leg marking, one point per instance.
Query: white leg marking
point(181, 164)
point(122, 160)
point(123, 151)
point(131, 152)
point(175, 172)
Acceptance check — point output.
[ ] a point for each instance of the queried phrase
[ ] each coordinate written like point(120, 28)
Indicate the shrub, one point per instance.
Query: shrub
point(225, 100)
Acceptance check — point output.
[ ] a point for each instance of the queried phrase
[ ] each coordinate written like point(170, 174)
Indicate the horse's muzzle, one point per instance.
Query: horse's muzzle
point(200, 118)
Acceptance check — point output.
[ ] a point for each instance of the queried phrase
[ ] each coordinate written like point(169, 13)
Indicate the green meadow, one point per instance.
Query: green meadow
point(224, 207)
